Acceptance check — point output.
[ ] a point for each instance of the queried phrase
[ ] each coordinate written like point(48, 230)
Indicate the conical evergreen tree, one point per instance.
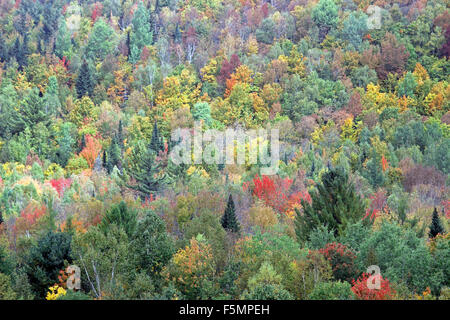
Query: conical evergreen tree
point(229, 220)
point(29, 113)
point(335, 204)
point(156, 143)
point(146, 171)
point(114, 156)
point(85, 81)
point(436, 225)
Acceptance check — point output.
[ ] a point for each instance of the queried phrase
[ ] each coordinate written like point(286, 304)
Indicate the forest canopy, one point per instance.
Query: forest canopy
point(92, 94)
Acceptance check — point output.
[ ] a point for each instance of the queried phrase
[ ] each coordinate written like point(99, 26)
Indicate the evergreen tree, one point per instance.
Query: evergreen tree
point(114, 156)
point(85, 81)
point(46, 259)
point(156, 143)
point(229, 220)
point(20, 51)
point(63, 44)
point(335, 204)
point(374, 171)
point(51, 12)
point(436, 225)
point(122, 216)
point(141, 34)
point(144, 168)
point(29, 113)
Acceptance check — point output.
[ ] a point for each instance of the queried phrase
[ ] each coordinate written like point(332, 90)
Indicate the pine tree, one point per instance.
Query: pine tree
point(229, 220)
point(156, 143)
point(29, 113)
point(146, 171)
point(335, 204)
point(85, 81)
point(436, 225)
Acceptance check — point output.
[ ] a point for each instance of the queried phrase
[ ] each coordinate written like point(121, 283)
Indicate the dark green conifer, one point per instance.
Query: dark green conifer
point(335, 204)
point(85, 81)
point(436, 225)
point(156, 143)
point(229, 220)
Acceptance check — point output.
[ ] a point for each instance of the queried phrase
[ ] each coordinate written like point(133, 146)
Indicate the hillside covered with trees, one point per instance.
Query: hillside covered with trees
point(91, 94)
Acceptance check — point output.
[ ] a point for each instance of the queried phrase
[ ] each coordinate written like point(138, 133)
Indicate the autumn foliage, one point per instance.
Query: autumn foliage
point(61, 185)
point(91, 151)
point(362, 292)
point(342, 260)
point(276, 193)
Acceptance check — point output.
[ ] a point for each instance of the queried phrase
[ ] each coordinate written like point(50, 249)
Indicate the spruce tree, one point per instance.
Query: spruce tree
point(85, 81)
point(436, 225)
point(229, 220)
point(156, 143)
point(335, 204)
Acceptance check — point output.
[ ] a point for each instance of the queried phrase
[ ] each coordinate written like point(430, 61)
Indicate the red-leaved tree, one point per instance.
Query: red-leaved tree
point(91, 151)
point(362, 292)
point(61, 185)
point(275, 192)
point(342, 261)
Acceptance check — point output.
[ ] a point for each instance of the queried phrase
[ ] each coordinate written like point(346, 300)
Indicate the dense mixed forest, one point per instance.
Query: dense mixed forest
point(92, 206)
